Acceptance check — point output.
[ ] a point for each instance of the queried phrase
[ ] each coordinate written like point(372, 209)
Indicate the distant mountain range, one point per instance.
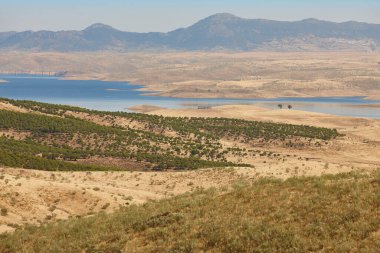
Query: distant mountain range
point(218, 32)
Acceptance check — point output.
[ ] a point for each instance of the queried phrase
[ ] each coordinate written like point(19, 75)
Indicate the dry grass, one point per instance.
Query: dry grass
point(319, 214)
point(28, 195)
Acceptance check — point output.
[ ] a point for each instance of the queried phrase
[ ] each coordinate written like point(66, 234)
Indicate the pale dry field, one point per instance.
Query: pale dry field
point(216, 74)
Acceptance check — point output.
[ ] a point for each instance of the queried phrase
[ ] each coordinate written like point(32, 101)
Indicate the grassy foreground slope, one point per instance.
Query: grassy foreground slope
point(319, 214)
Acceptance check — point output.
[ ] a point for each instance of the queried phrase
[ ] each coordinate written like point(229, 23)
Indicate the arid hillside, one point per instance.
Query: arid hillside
point(50, 171)
point(319, 214)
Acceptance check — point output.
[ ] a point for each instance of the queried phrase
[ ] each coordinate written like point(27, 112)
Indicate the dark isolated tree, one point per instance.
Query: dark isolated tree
point(279, 106)
point(290, 107)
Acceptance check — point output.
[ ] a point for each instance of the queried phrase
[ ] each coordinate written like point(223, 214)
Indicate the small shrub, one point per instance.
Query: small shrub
point(105, 206)
point(3, 211)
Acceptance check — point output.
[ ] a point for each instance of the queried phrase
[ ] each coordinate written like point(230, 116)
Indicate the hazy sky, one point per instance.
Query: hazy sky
point(165, 15)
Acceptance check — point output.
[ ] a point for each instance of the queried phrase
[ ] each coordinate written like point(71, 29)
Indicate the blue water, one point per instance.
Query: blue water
point(119, 96)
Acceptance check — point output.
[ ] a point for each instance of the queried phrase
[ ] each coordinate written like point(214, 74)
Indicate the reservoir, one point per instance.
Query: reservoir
point(119, 96)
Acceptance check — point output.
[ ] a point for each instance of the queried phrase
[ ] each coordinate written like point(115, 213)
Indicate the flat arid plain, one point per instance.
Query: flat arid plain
point(213, 148)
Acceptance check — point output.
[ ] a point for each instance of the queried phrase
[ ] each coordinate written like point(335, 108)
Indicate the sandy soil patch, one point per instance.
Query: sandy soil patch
point(9, 107)
point(17, 135)
point(374, 96)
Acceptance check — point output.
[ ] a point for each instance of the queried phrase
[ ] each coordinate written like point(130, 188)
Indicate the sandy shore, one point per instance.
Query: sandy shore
point(375, 96)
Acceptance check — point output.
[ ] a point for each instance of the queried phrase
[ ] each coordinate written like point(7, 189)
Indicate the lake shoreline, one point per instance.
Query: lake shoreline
point(122, 96)
point(149, 90)
point(217, 74)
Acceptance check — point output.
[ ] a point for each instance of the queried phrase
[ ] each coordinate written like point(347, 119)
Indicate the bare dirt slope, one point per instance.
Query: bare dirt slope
point(37, 196)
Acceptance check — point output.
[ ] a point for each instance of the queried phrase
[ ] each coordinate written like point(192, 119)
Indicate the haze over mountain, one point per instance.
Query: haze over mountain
point(218, 32)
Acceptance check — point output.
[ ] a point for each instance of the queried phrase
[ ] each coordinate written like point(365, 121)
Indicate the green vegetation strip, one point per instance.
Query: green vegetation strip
point(51, 124)
point(38, 163)
point(31, 155)
point(196, 144)
point(217, 127)
point(318, 214)
point(210, 127)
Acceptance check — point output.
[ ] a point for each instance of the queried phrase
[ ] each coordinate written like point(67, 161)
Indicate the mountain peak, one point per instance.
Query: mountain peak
point(223, 16)
point(217, 19)
point(312, 20)
point(97, 26)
